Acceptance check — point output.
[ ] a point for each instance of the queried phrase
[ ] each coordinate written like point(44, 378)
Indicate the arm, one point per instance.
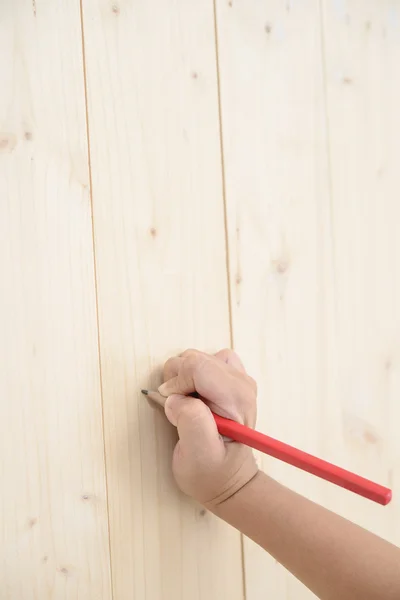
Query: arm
point(331, 556)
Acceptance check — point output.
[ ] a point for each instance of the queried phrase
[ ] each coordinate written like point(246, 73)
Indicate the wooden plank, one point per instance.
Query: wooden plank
point(277, 196)
point(54, 533)
point(362, 50)
point(161, 265)
point(313, 244)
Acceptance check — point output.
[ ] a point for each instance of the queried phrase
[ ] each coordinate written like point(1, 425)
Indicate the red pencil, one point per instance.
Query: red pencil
point(297, 458)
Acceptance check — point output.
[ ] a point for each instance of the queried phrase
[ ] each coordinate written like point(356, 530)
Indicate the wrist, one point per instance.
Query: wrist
point(240, 472)
point(247, 500)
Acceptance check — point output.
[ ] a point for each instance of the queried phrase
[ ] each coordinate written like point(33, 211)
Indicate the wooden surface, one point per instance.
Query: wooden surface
point(53, 503)
point(161, 274)
point(138, 143)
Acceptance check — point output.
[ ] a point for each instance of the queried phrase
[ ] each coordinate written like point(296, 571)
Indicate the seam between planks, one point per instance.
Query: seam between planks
point(221, 144)
point(96, 293)
point(227, 253)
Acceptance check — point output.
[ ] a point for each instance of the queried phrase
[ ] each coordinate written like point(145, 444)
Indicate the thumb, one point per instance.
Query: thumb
point(197, 430)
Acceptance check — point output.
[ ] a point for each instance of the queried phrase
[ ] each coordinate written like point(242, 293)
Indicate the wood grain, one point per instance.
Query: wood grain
point(53, 509)
point(362, 53)
point(162, 281)
point(309, 96)
point(312, 241)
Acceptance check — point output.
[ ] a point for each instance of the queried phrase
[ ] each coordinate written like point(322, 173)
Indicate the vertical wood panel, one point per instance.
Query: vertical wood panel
point(161, 265)
point(273, 124)
point(362, 53)
point(310, 133)
point(53, 532)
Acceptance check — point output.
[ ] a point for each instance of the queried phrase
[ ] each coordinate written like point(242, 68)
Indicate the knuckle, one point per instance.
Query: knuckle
point(226, 351)
point(168, 364)
point(194, 362)
point(171, 368)
point(189, 352)
point(191, 369)
point(225, 354)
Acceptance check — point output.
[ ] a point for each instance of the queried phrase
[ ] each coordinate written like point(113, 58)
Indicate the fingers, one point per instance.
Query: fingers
point(231, 358)
point(181, 372)
point(171, 367)
point(197, 430)
point(227, 355)
point(184, 382)
point(220, 381)
point(191, 352)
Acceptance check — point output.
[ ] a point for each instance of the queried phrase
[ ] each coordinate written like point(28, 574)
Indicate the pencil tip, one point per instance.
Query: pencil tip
point(145, 392)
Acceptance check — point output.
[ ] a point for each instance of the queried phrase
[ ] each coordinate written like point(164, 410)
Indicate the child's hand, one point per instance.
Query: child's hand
point(204, 466)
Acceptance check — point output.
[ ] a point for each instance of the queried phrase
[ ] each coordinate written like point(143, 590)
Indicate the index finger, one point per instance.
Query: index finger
point(184, 382)
point(231, 358)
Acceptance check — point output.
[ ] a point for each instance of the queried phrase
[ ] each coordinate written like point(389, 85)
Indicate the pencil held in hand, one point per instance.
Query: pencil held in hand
point(293, 456)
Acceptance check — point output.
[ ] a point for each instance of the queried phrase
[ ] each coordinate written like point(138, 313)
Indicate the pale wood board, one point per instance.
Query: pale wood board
point(309, 97)
point(53, 510)
point(362, 54)
point(306, 309)
point(162, 281)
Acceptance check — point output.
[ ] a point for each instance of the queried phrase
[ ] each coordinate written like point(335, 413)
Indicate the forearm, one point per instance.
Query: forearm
point(333, 557)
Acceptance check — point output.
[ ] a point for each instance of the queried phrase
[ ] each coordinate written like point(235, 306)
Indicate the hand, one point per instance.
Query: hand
point(205, 467)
